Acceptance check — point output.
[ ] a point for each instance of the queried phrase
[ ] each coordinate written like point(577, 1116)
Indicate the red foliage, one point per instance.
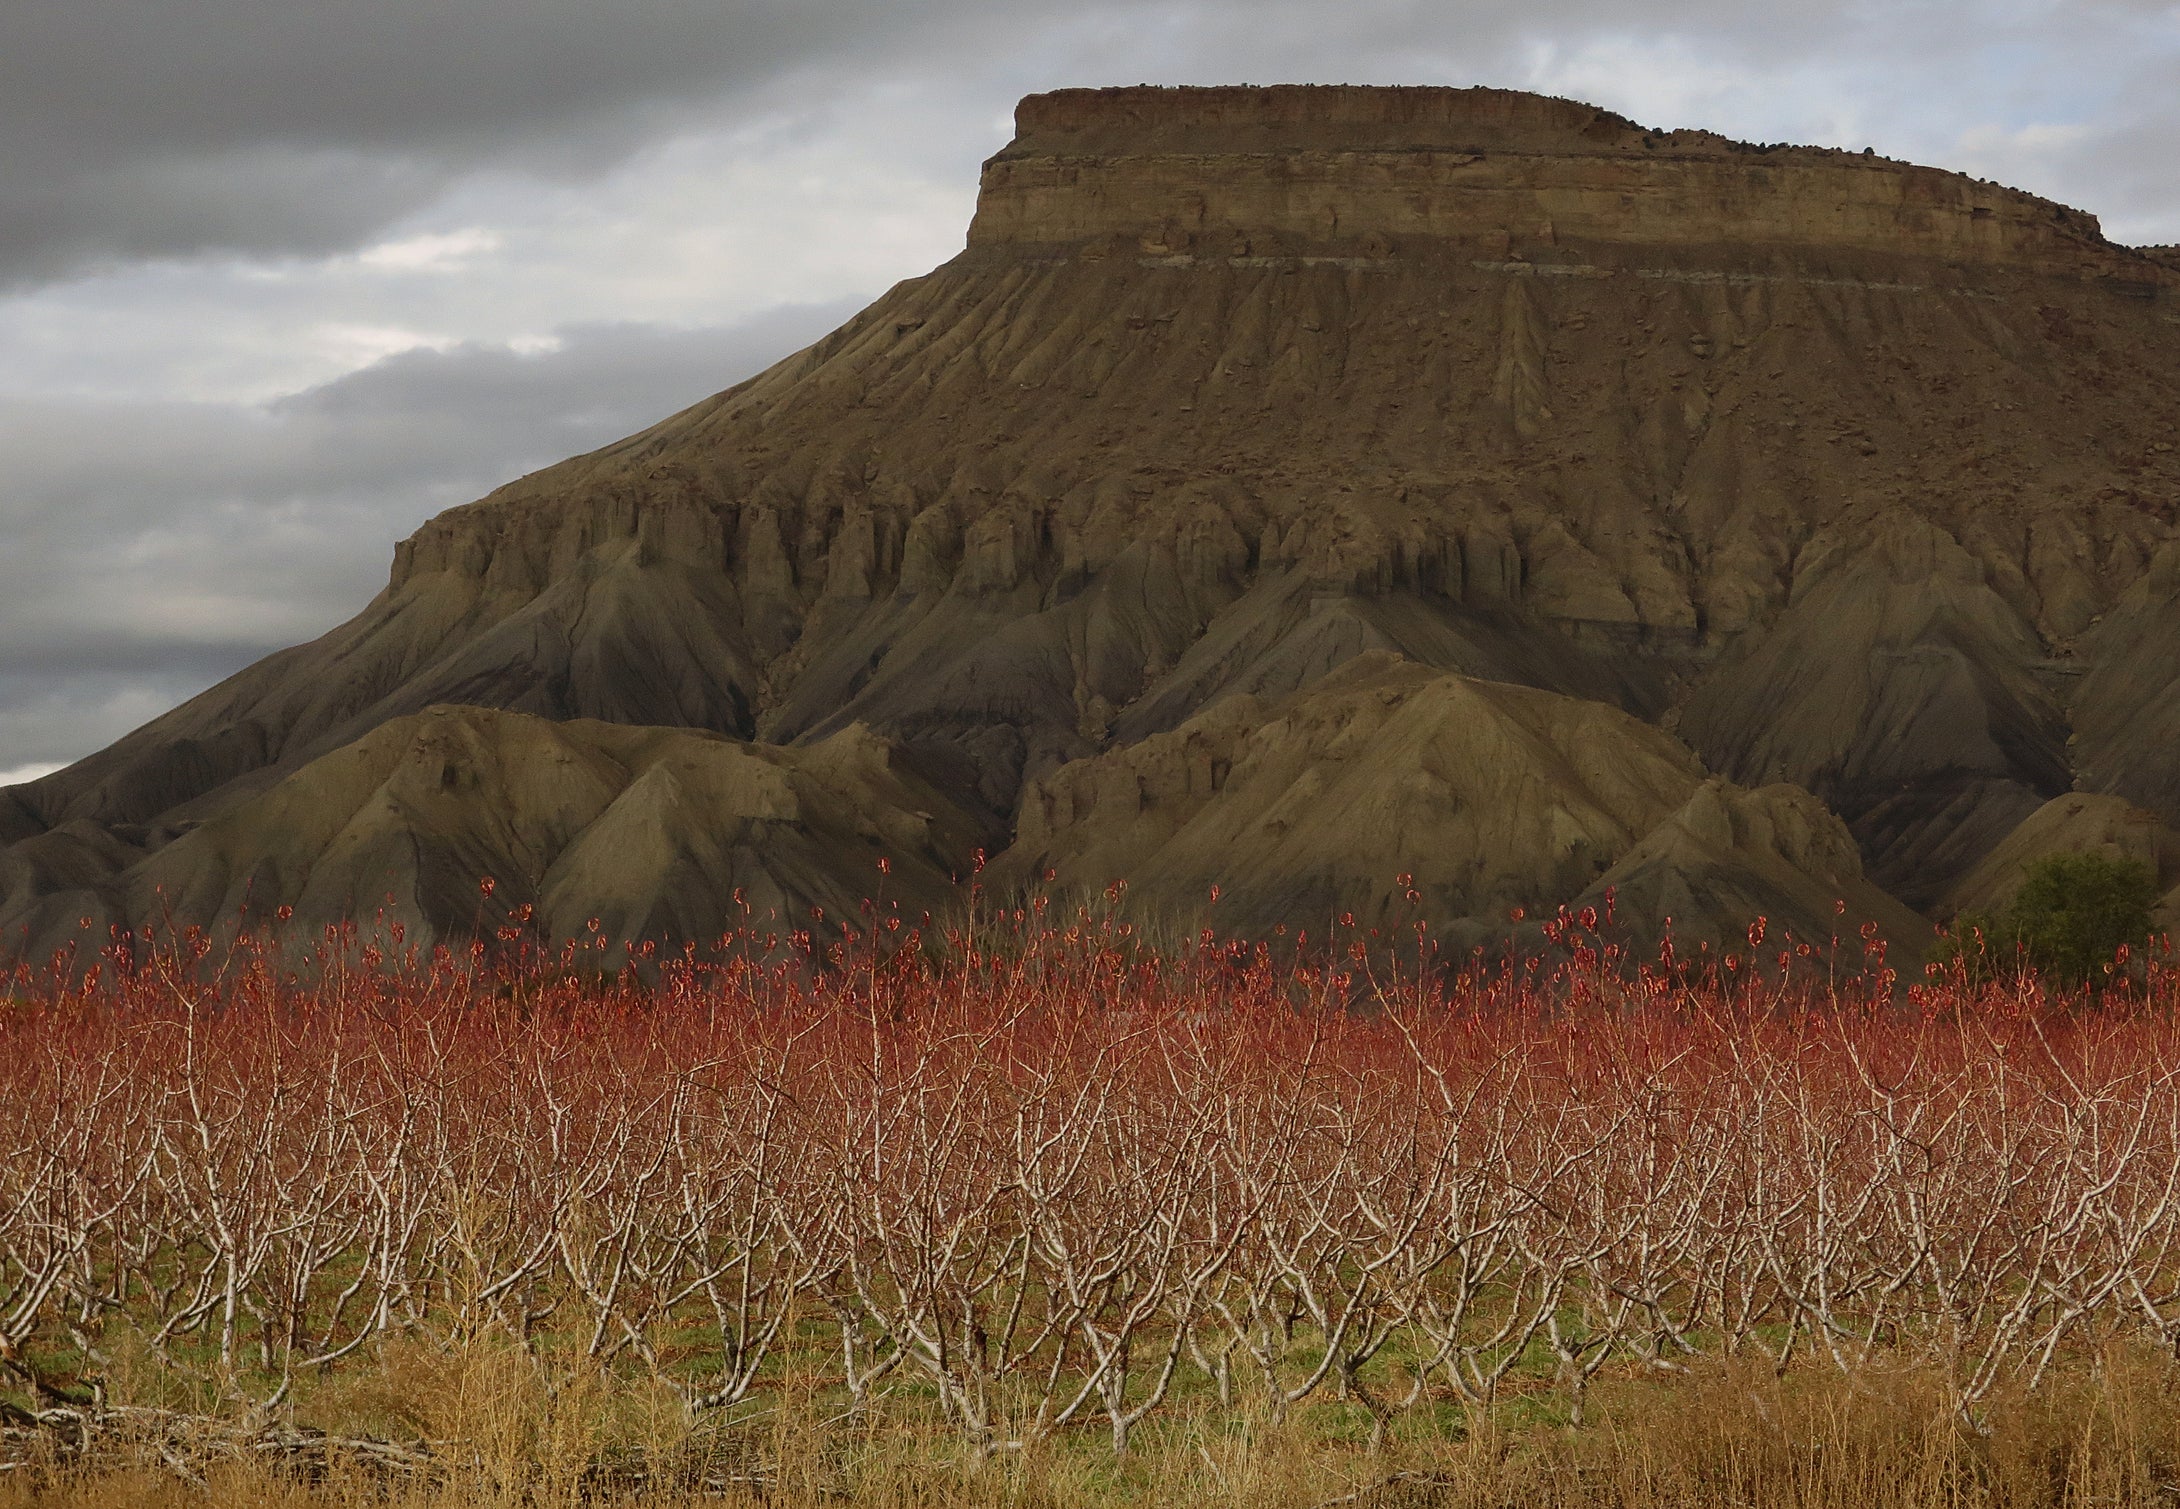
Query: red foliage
point(1051, 1174)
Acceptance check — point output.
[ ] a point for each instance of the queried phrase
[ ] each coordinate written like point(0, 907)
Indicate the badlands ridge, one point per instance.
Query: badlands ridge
point(1286, 490)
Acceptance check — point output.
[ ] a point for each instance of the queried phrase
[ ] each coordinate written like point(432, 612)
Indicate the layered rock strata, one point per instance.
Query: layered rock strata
point(1850, 475)
point(1245, 173)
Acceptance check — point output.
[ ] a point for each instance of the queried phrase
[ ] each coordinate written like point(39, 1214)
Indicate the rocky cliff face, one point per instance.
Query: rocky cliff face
point(1362, 173)
point(1847, 474)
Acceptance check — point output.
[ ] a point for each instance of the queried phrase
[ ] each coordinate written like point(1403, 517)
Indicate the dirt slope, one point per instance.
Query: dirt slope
point(1856, 475)
point(666, 834)
point(1730, 856)
point(1490, 796)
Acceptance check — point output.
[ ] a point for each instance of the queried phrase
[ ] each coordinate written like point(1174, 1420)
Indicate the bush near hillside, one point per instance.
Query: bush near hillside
point(2075, 919)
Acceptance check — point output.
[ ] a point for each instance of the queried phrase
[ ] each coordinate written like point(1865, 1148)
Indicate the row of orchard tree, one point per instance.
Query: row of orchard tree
point(1053, 1189)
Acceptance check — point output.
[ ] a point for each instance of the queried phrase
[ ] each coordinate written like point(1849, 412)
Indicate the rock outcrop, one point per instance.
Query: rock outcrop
point(1250, 172)
point(1850, 474)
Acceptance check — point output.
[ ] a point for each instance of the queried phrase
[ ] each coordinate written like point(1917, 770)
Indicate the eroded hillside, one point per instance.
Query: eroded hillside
point(1840, 474)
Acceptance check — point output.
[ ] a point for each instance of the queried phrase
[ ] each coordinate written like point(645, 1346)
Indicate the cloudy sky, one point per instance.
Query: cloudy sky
point(279, 279)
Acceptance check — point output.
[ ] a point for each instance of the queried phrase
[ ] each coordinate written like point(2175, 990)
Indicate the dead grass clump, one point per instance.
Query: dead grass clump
point(514, 1432)
point(1815, 1438)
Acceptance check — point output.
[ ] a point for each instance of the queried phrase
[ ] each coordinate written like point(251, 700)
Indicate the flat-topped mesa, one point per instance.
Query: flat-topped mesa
point(1377, 172)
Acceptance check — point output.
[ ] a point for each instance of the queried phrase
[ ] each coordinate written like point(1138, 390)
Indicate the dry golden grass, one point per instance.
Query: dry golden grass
point(514, 1429)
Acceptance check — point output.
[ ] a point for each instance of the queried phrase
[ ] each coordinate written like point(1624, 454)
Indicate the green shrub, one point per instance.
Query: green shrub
point(2071, 917)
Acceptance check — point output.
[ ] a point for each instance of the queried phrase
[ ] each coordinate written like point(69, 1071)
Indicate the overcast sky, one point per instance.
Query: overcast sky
point(279, 279)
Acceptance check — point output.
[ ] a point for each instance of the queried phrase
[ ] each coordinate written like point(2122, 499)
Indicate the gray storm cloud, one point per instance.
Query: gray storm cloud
point(138, 573)
point(140, 128)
